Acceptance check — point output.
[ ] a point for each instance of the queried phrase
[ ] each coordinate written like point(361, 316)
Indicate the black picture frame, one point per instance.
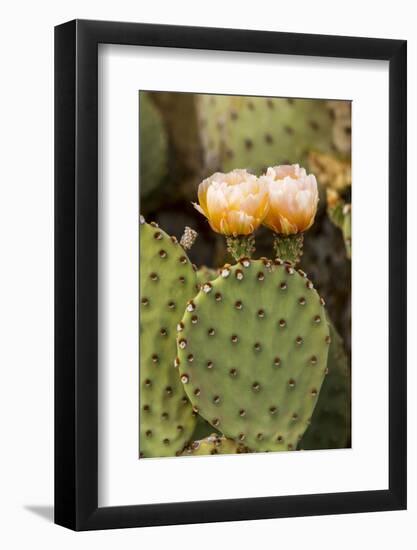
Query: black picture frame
point(76, 272)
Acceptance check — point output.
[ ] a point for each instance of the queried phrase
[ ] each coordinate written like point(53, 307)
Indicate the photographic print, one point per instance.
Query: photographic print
point(245, 274)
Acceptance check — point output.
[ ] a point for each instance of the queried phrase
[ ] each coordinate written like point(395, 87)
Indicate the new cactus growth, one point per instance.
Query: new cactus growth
point(188, 238)
point(167, 280)
point(214, 445)
point(252, 353)
point(330, 423)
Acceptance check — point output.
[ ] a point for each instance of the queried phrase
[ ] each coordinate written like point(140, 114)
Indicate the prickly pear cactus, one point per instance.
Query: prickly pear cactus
point(223, 132)
point(214, 445)
point(167, 280)
point(330, 423)
point(257, 132)
point(252, 353)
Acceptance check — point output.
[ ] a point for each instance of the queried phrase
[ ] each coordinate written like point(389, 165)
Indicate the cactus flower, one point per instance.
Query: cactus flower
point(293, 199)
point(235, 203)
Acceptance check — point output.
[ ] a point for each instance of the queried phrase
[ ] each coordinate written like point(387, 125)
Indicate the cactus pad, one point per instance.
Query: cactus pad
point(330, 423)
point(252, 353)
point(167, 280)
point(214, 445)
point(257, 132)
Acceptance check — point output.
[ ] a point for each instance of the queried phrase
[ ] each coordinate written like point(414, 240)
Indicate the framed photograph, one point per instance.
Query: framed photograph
point(230, 244)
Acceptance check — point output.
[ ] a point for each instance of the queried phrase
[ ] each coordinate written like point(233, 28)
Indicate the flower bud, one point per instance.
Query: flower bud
point(293, 199)
point(235, 203)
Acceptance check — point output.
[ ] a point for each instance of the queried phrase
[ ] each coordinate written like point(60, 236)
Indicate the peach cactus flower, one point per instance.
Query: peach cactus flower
point(235, 203)
point(293, 199)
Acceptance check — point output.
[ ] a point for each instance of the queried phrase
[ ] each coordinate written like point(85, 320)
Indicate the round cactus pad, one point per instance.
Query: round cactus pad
point(252, 353)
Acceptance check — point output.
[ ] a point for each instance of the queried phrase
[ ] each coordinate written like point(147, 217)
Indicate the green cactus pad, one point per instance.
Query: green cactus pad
point(330, 423)
point(167, 280)
point(214, 445)
point(258, 132)
point(252, 353)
